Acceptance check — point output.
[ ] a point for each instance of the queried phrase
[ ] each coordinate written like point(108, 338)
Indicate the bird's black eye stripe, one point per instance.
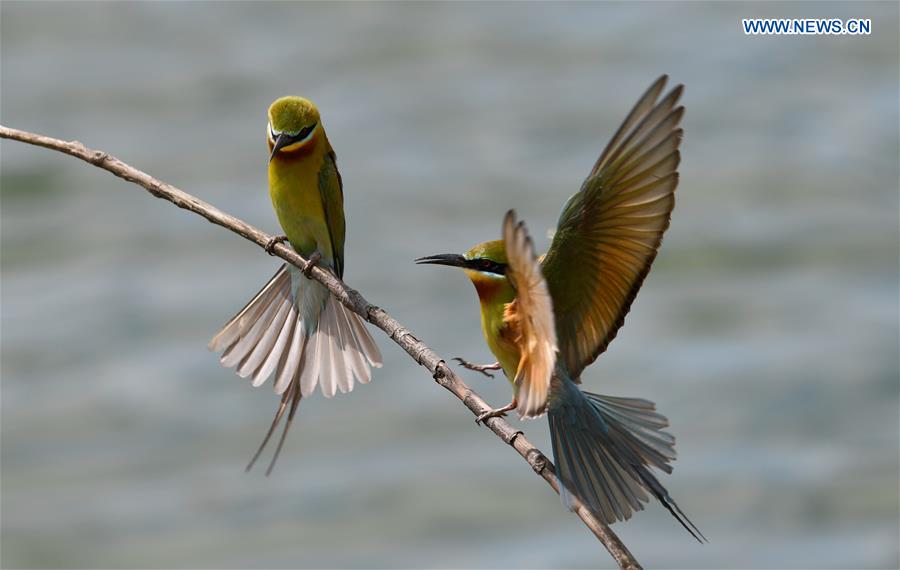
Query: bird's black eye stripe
point(488, 266)
point(304, 133)
point(293, 138)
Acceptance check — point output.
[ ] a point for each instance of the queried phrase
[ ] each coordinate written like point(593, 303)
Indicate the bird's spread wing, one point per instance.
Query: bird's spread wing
point(332, 190)
point(609, 231)
point(532, 316)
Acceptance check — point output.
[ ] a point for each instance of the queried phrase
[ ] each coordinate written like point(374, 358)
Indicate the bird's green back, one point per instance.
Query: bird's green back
point(331, 188)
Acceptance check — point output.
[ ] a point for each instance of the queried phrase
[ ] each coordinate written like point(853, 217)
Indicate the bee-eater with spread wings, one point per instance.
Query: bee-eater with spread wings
point(294, 327)
point(607, 238)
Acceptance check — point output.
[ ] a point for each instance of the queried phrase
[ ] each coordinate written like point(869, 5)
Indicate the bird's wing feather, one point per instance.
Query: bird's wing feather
point(531, 314)
point(609, 232)
point(332, 191)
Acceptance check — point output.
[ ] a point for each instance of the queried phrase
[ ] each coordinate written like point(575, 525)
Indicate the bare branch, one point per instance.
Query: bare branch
point(420, 352)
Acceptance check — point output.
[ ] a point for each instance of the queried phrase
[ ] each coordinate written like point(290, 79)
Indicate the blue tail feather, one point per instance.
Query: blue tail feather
point(604, 448)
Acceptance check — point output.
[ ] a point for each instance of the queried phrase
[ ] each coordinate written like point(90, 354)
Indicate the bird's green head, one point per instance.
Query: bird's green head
point(485, 264)
point(488, 257)
point(293, 125)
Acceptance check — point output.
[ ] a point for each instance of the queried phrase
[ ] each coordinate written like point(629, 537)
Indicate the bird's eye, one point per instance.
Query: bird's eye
point(486, 264)
point(305, 132)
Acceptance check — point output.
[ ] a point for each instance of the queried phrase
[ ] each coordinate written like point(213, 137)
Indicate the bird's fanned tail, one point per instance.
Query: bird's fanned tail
point(297, 330)
point(604, 447)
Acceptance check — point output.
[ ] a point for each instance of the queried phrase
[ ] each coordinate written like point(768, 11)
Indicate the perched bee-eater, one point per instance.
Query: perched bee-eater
point(607, 237)
point(294, 327)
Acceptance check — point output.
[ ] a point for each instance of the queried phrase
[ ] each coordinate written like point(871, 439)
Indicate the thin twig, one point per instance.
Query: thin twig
point(420, 352)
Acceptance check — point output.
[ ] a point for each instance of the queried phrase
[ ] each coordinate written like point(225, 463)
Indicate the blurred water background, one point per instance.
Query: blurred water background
point(767, 331)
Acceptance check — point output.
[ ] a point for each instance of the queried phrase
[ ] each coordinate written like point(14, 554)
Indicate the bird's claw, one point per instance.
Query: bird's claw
point(488, 415)
point(483, 368)
point(312, 262)
point(270, 245)
point(498, 413)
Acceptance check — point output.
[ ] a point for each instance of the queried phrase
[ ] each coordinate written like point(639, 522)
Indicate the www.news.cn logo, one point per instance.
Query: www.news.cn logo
point(806, 26)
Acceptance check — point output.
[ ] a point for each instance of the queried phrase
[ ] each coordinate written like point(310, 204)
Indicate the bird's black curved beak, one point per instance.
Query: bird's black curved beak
point(282, 141)
point(451, 259)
